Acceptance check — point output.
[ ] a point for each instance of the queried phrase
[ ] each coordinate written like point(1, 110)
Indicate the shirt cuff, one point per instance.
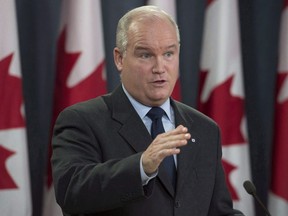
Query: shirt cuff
point(144, 177)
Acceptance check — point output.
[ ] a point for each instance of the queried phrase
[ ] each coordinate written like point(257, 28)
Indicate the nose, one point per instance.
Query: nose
point(159, 66)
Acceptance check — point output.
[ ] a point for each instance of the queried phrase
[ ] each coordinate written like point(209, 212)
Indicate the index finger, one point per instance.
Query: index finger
point(180, 129)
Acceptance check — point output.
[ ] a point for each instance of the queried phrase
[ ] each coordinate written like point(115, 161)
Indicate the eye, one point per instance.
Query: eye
point(145, 55)
point(168, 54)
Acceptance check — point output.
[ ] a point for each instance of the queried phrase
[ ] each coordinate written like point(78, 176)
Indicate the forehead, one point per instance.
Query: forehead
point(152, 31)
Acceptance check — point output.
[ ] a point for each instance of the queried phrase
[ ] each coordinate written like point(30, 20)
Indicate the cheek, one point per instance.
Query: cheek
point(132, 76)
point(136, 71)
point(139, 72)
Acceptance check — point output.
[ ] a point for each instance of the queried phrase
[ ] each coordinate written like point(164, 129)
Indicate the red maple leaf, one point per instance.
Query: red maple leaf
point(10, 96)
point(280, 161)
point(90, 87)
point(226, 109)
point(6, 181)
point(11, 100)
point(228, 167)
point(64, 96)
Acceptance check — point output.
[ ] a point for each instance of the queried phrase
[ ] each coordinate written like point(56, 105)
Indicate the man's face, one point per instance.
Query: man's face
point(149, 67)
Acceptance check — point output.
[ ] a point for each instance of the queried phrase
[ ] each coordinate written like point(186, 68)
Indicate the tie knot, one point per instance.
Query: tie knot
point(155, 113)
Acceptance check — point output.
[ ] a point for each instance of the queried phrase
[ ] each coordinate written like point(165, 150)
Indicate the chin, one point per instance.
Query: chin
point(159, 100)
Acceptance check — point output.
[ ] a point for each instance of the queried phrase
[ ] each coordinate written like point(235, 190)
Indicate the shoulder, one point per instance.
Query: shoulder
point(94, 107)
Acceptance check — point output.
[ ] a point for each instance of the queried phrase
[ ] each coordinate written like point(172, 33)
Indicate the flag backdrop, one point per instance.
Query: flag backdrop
point(15, 194)
point(80, 67)
point(221, 94)
point(278, 202)
point(39, 21)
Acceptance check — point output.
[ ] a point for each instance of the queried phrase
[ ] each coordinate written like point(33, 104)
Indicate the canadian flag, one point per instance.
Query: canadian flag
point(80, 67)
point(15, 194)
point(169, 6)
point(278, 197)
point(221, 94)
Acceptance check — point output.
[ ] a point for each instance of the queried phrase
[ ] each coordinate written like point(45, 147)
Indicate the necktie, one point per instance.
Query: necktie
point(155, 114)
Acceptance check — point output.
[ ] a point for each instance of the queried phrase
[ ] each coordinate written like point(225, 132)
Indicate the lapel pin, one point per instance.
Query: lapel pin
point(193, 140)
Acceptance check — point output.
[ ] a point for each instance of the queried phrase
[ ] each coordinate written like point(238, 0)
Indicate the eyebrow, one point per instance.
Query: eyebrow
point(173, 46)
point(137, 48)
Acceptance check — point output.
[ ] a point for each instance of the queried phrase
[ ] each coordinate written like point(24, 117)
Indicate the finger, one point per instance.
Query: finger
point(178, 130)
point(166, 137)
point(168, 152)
point(169, 145)
point(173, 144)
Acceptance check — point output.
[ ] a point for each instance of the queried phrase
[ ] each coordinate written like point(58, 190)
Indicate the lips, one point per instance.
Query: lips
point(159, 81)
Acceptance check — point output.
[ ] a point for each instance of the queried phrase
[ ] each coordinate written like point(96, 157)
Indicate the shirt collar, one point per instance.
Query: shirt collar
point(142, 110)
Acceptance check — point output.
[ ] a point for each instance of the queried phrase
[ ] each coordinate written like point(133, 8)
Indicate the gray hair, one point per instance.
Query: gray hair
point(125, 22)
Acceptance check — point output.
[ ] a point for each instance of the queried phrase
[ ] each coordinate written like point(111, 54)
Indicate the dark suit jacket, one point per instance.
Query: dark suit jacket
point(97, 147)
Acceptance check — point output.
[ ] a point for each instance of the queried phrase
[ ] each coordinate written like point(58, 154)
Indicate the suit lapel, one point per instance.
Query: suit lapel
point(186, 158)
point(133, 130)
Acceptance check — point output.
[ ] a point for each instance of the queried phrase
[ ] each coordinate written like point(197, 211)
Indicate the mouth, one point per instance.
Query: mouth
point(159, 83)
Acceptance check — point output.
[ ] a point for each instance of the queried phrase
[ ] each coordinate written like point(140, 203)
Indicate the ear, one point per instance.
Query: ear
point(118, 59)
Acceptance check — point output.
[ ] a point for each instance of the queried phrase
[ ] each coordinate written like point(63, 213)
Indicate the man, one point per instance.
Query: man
point(105, 162)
